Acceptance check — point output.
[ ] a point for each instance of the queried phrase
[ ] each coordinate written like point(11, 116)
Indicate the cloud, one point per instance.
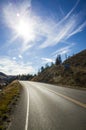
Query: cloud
point(47, 60)
point(40, 32)
point(77, 30)
point(68, 26)
point(64, 30)
point(20, 56)
point(14, 58)
point(12, 67)
point(63, 50)
point(60, 33)
point(71, 11)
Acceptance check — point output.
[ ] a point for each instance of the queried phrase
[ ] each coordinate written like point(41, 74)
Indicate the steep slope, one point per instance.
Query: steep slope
point(72, 72)
point(78, 59)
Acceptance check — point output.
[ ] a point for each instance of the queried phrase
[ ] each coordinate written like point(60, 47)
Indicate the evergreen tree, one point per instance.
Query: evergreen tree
point(42, 69)
point(58, 60)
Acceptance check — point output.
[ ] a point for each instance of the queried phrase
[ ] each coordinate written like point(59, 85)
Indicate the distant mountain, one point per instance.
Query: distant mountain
point(2, 75)
point(72, 72)
point(6, 79)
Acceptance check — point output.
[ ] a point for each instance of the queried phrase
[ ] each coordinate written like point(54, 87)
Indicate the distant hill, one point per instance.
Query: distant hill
point(5, 79)
point(72, 72)
point(2, 75)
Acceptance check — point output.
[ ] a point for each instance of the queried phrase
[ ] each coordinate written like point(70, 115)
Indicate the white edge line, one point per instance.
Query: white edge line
point(27, 114)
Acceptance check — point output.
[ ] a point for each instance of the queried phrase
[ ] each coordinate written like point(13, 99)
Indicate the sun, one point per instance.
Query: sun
point(21, 22)
point(25, 28)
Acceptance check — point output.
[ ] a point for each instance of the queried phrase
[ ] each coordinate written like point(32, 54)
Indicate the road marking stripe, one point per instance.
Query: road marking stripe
point(72, 100)
point(68, 98)
point(27, 114)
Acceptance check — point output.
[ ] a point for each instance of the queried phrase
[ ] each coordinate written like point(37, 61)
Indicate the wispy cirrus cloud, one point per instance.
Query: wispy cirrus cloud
point(11, 66)
point(68, 26)
point(78, 29)
point(63, 50)
point(47, 60)
point(33, 30)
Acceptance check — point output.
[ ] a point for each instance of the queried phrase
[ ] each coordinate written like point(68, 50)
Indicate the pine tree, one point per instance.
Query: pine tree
point(58, 60)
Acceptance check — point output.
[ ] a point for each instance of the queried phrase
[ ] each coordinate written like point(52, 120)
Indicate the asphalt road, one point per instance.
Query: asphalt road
point(49, 107)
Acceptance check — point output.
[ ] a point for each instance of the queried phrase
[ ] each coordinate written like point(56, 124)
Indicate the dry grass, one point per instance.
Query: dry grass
point(7, 97)
point(74, 76)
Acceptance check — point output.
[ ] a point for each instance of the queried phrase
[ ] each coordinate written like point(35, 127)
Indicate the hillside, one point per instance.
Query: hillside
point(78, 59)
point(72, 72)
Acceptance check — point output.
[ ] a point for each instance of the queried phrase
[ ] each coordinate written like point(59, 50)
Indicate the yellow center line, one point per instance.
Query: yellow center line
point(68, 98)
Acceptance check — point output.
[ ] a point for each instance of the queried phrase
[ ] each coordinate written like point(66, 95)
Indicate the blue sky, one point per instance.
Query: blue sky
point(34, 32)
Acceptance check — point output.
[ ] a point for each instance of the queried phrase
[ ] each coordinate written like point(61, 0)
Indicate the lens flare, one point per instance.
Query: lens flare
point(18, 19)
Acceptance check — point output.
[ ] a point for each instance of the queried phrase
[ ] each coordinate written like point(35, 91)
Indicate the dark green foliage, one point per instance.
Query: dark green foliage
point(58, 60)
point(24, 77)
point(46, 66)
point(42, 69)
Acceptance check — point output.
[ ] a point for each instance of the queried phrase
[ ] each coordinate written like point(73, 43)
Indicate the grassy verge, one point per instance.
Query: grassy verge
point(8, 98)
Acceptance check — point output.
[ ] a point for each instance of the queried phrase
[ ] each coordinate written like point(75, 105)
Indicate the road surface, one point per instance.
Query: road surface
point(49, 107)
